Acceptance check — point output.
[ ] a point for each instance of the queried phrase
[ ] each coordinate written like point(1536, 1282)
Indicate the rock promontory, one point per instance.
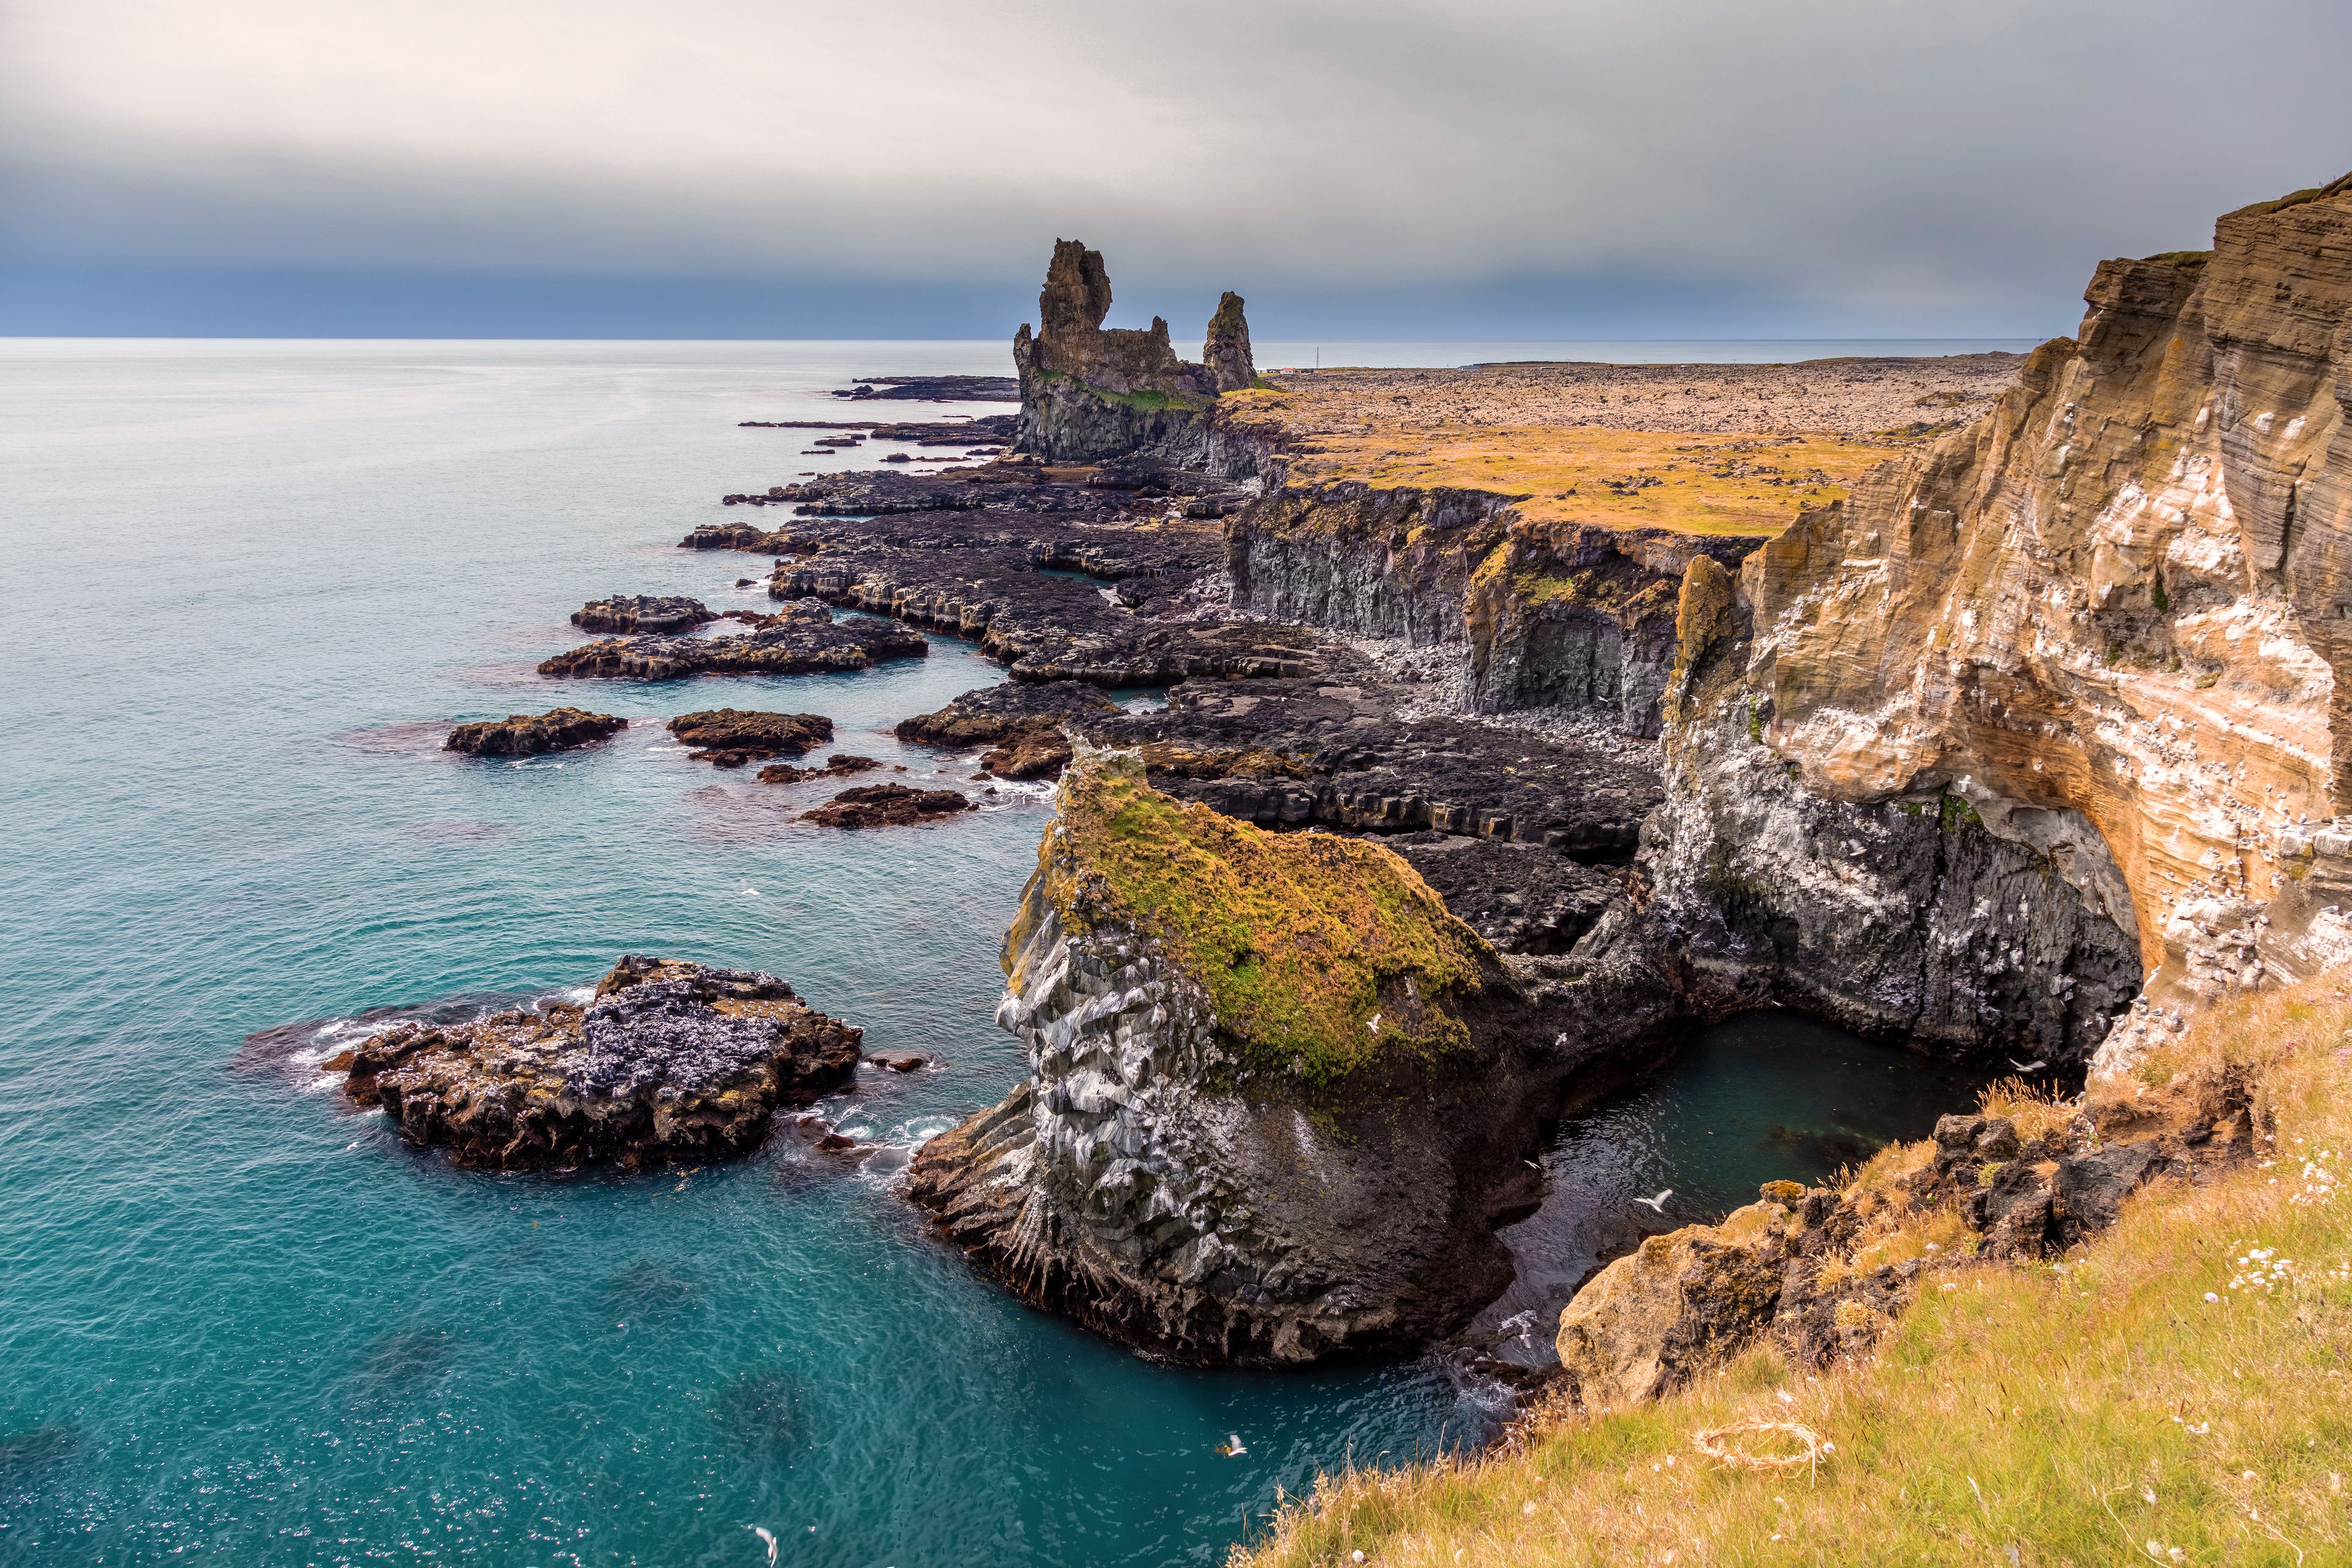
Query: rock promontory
point(669, 1061)
point(530, 734)
point(1277, 1095)
point(802, 638)
point(1022, 724)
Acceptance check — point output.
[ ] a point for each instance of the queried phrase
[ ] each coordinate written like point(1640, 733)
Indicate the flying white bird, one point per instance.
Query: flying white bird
point(1232, 1447)
point(2026, 1067)
point(771, 1540)
point(1658, 1203)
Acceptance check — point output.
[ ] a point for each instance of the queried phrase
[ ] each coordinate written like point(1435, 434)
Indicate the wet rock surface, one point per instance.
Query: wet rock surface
point(1022, 724)
point(642, 613)
point(888, 806)
point(804, 639)
point(730, 737)
point(839, 766)
point(529, 734)
point(670, 1062)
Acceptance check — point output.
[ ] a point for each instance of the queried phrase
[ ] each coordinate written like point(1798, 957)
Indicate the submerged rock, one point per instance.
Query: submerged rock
point(641, 613)
point(670, 1062)
point(802, 640)
point(887, 805)
point(1278, 1095)
point(527, 735)
point(730, 737)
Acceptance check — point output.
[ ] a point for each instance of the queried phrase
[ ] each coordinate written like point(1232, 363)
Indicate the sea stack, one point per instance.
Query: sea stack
point(1090, 392)
point(1277, 1095)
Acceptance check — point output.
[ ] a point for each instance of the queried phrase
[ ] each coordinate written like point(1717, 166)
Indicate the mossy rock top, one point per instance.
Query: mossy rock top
point(1321, 955)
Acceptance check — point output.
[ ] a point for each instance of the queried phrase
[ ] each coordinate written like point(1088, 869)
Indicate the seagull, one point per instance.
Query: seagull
point(771, 1540)
point(1658, 1203)
point(1232, 1447)
point(2033, 1065)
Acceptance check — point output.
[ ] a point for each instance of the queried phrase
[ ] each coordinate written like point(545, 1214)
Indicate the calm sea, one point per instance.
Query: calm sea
point(251, 585)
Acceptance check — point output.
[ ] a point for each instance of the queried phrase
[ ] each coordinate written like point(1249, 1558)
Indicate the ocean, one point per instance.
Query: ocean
point(253, 584)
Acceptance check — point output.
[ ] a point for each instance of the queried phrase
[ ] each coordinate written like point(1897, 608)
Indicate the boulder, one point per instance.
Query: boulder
point(887, 805)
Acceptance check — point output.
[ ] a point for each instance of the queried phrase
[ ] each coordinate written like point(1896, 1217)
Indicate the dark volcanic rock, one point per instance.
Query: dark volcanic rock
point(803, 640)
point(733, 736)
point(1022, 723)
point(838, 765)
point(641, 613)
point(1288, 753)
point(670, 1062)
point(935, 388)
point(1518, 896)
point(887, 805)
point(526, 735)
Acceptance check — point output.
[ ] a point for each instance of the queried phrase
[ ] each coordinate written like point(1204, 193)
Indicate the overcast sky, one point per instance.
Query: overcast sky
point(1561, 169)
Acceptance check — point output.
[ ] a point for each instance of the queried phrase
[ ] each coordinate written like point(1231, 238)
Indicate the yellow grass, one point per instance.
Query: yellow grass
point(2174, 1392)
point(1703, 484)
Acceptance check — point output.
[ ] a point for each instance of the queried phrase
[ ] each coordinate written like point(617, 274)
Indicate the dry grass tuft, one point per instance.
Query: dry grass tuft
point(2173, 1393)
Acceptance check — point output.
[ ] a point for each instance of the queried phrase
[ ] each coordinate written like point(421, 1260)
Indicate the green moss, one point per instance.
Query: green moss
point(1321, 955)
point(2163, 600)
point(1958, 814)
point(1755, 722)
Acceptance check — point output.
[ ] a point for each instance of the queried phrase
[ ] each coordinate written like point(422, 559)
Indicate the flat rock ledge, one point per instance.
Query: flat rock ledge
point(1023, 725)
point(671, 1062)
point(642, 613)
point(888, 806)
point(841, 764)
point(730, 737)
point(800, 639)
point(530, 734)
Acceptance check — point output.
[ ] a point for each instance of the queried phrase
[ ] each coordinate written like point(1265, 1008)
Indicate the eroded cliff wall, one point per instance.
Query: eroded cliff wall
point(2112, 619)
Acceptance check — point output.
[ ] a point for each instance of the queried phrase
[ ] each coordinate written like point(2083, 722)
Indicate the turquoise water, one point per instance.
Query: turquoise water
point(251, 586)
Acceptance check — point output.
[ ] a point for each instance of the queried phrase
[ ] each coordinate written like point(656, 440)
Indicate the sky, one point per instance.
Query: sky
point(1476, 169)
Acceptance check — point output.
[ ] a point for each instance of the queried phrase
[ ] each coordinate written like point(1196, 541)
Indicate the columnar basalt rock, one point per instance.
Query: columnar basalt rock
point(2110, 618)
point(1090, 393)
point(1278, 1095)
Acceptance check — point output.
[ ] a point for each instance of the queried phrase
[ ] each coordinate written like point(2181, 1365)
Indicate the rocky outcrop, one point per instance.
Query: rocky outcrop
point(670, 1062)
point(802, 640)
point(841, 764)
point(2106, 623)
point(529, 734)
point(642, 613)
point(1519, 897)
point(1021, 724)
point(1277, 1096)
point(1089, 393)
point(888, 806)
point(730, 737)
point(1549, 614)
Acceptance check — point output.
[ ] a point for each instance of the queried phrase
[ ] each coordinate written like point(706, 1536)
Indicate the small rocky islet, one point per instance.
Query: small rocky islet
point(669, 1062)
point(533, 734)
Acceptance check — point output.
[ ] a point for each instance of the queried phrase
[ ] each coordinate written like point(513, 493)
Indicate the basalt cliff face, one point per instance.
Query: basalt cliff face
point(2079, 666)
point(1552, 615)
point(1278, 1097)
point(1090, 392)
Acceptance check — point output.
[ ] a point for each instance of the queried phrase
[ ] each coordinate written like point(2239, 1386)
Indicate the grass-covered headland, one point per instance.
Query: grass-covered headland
point(2172, 1391)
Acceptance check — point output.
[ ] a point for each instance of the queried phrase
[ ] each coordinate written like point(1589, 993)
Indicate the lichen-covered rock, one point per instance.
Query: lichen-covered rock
point(1678, 1305)
point(529, 734)
point(642, 613)
point(730, 737)
point(670, 1062)
point(1278, 1095)
point(800, 639)
point(888, 806)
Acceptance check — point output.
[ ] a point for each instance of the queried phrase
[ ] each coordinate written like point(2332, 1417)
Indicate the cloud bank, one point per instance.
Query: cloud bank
point(1498, 167)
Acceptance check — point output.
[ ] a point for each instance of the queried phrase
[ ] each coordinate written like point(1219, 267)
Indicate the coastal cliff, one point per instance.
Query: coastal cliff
point(2104, 627)
point(1278, 1098)
point(1090, 392)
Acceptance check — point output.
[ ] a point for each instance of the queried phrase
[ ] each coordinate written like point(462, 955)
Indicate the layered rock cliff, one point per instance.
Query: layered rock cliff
point(1277, 1096)
point(1090, 392)
point(2099, 637)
